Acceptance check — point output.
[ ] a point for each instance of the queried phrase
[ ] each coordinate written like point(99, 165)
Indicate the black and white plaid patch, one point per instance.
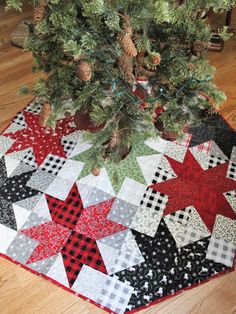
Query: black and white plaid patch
point(20, 120)
point(115, 295)
point(53, 164)
point(29, 158)
point(231, 173)
point(68, 146)
point(214, 161)
point(190, 236)
point(221, 251)
point(33, 108)
point(154, 200)
point(161, 175)
point(181, 216)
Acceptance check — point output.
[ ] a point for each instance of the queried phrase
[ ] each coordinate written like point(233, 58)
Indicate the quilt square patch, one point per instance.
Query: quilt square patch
point(51, 179)
point(221, 251)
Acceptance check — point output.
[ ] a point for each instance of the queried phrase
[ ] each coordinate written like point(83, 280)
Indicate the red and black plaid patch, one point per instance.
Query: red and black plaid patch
point(66, 213)
point(80, 250)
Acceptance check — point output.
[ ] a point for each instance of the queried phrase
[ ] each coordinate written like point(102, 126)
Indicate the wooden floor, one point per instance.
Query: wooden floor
point(24, 293)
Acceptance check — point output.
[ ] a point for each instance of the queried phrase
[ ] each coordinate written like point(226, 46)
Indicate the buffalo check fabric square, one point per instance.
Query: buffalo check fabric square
point(214, 161)
point(68, 145)
point(231, 173)
point(191, 235)
point(53, 164)
point(154, 200)
point(80, 250)
point(29, 158)
point(20, 120)
point(181, 216)
point(161, 175)
point(115, 295)
point(221, 251)
point(34, 108)
point(125, 260)
point(66, 213)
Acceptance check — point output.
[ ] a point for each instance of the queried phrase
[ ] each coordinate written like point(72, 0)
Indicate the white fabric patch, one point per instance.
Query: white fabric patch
point(109, 255)
point(57, 271)
point(41, 208)
point(157, 144)
point(60, 188)
point(13, 127)
point(231, 198)
point(146, 221)
point(71, 170)
point(148, 165)
point(182, 234)
point(7, 236)
point(91, 195)
point(89, 283)
point(201, 157)
point(166, 166)
point(21, 215)
point(131, 191)
point(195, 221)
point(121, 256)
point(11, 165)
point(29, 203)
point(115, 295)
point(102, 182)
point(56, 176)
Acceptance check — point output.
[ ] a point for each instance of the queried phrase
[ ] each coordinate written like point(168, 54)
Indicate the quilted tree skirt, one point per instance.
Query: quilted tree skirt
point(166, 225)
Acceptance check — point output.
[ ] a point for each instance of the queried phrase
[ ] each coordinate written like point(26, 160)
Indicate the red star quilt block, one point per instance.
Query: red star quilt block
point(201, 188)
point(44, 141)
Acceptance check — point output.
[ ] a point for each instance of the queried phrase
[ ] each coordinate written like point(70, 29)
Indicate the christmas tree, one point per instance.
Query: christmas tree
point(125, 64)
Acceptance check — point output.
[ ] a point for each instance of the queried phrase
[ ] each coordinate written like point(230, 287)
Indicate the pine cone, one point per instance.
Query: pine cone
point(126, 65)
point(44, 114)
point(39, 11)
point(127, 44)
point(156, 59)
point(96, 171)
point(84, 71)
point(114, 139)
